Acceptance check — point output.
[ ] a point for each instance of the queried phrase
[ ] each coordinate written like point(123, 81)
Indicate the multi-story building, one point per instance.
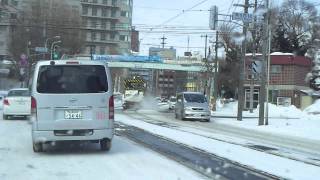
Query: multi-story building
point(107, 26)
point(8, 18)
point(287, 79)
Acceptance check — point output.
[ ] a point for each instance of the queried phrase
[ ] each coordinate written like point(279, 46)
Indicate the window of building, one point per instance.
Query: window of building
point(126, 2)
point(114, 2)
point(113, 13)
point(93, 36)
point(94, 1)
point(103, 24)
point(84, 0)
point(85, 10)
point(123, 38)
point(113, 25)
point(84, 22)
point(102, 50)
point(124, 13)
point(14, 2)
point(94, 11)
point(275, 68)
point(105, 1)
point(112, 36)
point(93, 23)
point(255, 98)
point(104, 12)
point(103, 36)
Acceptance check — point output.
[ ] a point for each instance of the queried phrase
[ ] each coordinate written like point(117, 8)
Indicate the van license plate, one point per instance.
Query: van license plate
point(73, 114)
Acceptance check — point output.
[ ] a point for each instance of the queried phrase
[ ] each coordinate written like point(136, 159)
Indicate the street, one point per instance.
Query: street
point(126, 160)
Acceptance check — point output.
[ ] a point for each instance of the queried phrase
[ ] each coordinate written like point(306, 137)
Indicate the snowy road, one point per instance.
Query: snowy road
point(126, 160)
point(271, 159)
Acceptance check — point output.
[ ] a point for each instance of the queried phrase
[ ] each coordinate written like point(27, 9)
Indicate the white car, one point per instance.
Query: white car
point(17, 103)
point(172, 102)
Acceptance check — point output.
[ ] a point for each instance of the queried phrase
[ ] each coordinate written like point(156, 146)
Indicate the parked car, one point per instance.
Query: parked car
point(172, 102)
point(72, 100)
point(192, 105)
point(17, 103)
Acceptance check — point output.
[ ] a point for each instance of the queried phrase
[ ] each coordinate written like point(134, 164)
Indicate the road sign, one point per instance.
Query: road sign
point(41, 49)
point(245, 17)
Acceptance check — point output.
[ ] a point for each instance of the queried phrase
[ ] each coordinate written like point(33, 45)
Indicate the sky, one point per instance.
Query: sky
point(152, 17)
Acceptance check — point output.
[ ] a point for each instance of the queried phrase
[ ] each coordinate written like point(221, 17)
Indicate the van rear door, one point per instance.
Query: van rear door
point(73, 97)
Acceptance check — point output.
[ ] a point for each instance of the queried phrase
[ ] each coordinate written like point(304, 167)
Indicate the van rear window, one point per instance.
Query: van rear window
point(72, 79)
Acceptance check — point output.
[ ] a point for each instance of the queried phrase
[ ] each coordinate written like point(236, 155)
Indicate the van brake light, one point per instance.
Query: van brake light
point(6, 102)
point(33, 105)
point(111, 108)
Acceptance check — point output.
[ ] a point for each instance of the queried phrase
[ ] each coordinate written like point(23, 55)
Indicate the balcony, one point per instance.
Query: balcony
point(109, 4)
point(109, 41)
point(100, 17)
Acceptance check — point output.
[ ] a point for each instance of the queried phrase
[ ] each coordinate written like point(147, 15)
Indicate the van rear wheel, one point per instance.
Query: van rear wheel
point(37, 147)
point(105, 144)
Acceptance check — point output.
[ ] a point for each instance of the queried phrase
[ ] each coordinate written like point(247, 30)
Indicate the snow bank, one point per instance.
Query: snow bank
point(314, 108)
point(231, 109)
point(282, 111)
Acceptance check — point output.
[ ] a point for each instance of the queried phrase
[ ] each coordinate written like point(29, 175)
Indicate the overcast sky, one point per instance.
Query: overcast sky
point(148, 15)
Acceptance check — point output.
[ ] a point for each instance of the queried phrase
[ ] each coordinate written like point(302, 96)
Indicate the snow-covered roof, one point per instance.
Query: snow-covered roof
point(281, 54)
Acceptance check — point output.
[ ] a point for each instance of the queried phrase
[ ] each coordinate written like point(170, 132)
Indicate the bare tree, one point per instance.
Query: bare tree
point(295, 26)
point(43, 20)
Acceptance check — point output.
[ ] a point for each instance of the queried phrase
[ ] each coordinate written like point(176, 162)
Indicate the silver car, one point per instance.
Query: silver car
point(71, 101)
point(192, 105)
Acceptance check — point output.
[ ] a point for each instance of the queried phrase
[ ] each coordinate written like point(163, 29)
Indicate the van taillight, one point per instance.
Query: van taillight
point(111, 108)
point(33, 105)
point(6, 102)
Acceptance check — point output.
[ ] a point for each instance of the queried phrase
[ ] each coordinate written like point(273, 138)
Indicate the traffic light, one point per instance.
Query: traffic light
point(55, 56)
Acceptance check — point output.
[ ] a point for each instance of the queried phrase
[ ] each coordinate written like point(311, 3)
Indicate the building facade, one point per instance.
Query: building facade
point(8, 17)
point(135, 42)
point(107, 26)
point(287, 80)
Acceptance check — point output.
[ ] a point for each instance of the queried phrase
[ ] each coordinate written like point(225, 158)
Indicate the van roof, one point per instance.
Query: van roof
point(71, 61)
point(19, 89)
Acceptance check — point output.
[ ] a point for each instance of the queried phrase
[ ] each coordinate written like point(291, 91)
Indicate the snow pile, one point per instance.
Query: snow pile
point(314, 108)
point(231, 109)
point(282, 111)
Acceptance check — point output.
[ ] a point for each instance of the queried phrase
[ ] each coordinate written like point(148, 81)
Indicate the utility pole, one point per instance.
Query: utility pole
point(254, 35)
point(163, 41)
point(242, 66)
point(262, 98)
point(215, 86)
point(205, 46)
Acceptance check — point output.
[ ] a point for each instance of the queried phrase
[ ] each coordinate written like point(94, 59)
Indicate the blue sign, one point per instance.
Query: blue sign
point(128, 58)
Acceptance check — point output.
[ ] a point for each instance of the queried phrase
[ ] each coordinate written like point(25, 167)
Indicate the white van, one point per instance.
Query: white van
point(71, 101)
point(192, 105)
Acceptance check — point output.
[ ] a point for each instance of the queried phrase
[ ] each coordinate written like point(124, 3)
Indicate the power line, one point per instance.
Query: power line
point(174, 17)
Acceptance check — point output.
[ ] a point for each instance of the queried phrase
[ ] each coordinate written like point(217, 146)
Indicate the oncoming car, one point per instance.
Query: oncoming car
point(192, 105)
point(71, 101)
point(17, 103)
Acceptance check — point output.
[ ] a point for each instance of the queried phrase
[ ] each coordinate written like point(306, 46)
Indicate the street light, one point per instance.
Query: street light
point(52, 45)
